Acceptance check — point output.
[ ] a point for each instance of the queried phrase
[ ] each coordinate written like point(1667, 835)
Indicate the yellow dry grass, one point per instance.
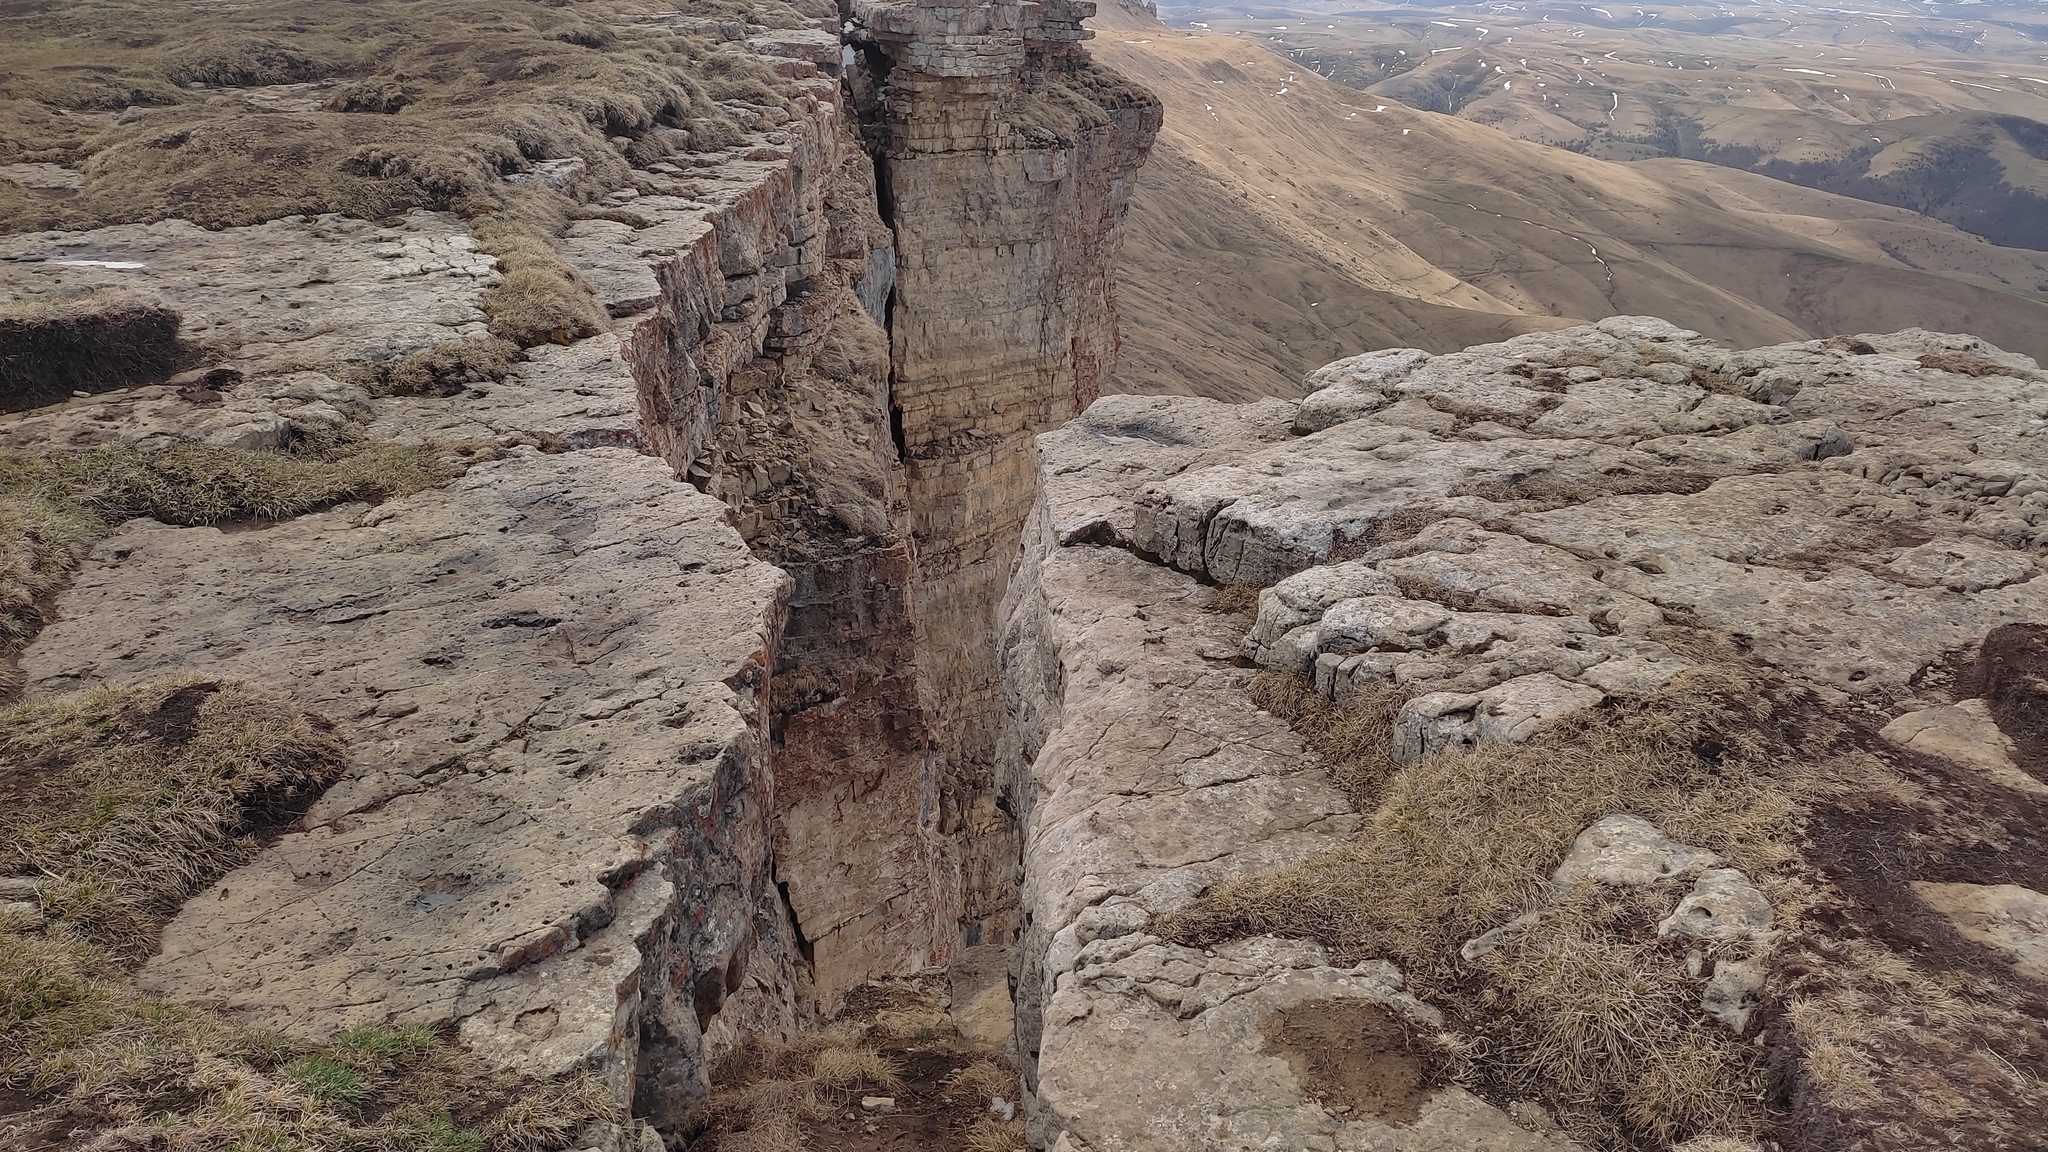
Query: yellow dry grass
point(984, 1083)
point(766, 1093)
point(1585, 1008)
point(541, 298)
point(1235, 600)
point(126, 800)
point(1590, 1011)
point(1464, 840)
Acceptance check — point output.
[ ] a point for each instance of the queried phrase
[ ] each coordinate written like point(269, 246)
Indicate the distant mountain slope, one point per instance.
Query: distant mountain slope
point(1284, 220)
point(1941, 108)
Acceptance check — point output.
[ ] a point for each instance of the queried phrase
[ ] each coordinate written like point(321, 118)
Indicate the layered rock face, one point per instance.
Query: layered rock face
point(1006, 159)
point(1504, 537)
point(888, 467)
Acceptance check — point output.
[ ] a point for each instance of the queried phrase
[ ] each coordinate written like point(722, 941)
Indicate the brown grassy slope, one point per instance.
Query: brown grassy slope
point(1452, 218)
point(415, 104)
point(1217, 301)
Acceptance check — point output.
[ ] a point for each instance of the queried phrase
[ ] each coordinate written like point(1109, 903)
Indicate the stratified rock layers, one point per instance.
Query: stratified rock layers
point(1007, 158)
point(890, 471)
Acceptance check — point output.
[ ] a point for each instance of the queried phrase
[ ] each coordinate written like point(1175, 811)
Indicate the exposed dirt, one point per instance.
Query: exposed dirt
point(1355, 1057)
point(942, 1103)
point(88, 345)
point(2012, 675)
point(925, 1118)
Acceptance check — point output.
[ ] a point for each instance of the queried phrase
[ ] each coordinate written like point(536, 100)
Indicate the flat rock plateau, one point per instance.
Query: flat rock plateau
point(1604, 738)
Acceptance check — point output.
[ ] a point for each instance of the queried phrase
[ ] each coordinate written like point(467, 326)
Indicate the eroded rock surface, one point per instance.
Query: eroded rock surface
point(1146, 776)
point(298, 291)
point(549, 674)
point(1508, 537)
point(1570, 497)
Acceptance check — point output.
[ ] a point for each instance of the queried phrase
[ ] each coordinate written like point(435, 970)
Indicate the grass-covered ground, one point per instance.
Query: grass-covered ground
point(425, 103)
point(228, 115)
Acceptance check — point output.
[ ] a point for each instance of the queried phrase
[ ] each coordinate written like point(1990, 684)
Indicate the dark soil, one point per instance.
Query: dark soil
point(925, 1119)
point(2012, 676)
point(43, 360)
point(1356, 1057)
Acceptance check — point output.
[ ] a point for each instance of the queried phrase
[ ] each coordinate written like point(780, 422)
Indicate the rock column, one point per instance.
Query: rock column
point(1006, 159)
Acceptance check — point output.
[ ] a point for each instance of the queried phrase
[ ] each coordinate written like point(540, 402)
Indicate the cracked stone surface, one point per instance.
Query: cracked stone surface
point(1509, 535)
point(1574, 497)
point(296, 292)
point(1146, 776)
point(582, 393)
point(543, 672)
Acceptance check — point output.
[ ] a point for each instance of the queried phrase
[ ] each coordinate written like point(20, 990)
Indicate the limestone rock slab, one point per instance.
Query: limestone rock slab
point(300, 291)
point(1145, 776)
point(546, 675)
point(1848, 518)
point(2006, 917)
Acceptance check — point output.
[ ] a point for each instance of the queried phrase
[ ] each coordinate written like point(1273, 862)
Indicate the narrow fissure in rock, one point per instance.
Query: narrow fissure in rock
point(876, 445)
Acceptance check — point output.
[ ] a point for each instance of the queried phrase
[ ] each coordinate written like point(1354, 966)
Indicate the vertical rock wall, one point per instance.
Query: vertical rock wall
point(764, 380)
point(1007, 159)
point(888, 470)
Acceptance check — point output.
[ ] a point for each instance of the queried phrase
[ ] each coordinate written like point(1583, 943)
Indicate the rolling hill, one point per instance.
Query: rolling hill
point(1286, 220)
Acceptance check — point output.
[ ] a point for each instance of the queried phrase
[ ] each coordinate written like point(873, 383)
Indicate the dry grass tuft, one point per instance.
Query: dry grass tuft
point(1353, 738)
point(765, 1094)
point(1235, 600)
point(986, 1082)
point(1590, 1010)
point(130, 799)
point(40, 539)
point(1885, 1040)
point(445, 369)
point(541, 298)
point(1579, 1008)
point(1464, 841)
point(194, 484)
point(992, 1134)
point(1964, 364)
